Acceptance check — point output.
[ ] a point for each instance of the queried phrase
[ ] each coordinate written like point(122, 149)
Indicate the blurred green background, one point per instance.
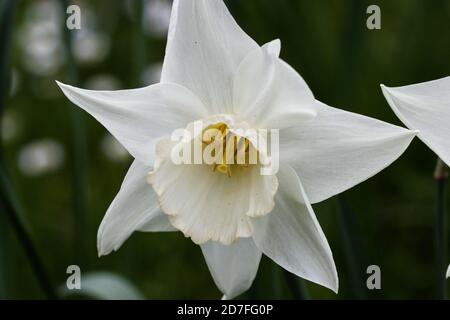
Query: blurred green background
point(65, 169)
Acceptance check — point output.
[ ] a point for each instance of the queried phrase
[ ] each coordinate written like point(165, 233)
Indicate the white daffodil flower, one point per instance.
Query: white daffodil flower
point(216, 73)
point(425, 107)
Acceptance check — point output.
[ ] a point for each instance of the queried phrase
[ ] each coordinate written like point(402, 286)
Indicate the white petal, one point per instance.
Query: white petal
point(232, 267)
point(205, 47)
point(135, 207)
point(337, 150)
point(137, 117)
point(268, 93)
point(207, 205)
point(291, 235)
point(425, 107)
point(448, 272)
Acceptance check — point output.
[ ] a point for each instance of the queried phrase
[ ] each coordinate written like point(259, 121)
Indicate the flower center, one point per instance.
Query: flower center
point(227, 149)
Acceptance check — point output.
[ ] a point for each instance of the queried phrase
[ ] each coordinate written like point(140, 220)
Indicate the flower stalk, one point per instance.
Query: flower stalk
point(6, 24)
point(351, 250)
point(441, 176)
point(24, 237)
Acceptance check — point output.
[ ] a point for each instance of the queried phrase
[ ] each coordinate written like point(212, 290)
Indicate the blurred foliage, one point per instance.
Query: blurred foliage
point(342, 61)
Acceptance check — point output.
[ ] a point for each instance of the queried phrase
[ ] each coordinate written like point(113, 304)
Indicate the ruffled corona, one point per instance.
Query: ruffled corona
point(216, 199)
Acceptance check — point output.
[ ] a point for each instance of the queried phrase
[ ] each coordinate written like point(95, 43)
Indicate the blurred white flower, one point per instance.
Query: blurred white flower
point(448, 272)
point(40, 38)
point(41, 157)
point(113, 150)
point(215, 72)
point(151, 74)
point(425, 107)
point(103, 82)
point(90, 46)
point(156, 17)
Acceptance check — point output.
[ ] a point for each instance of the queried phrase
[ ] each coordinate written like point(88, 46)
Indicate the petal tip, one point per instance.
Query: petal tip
point(333, 285)
point(60, 85)
point(385, 89)
point(273, 47)
point(335, 288)
point(64, 88)
point(102, 252)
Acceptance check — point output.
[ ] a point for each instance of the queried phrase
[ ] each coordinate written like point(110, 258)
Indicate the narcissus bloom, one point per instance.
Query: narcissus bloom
point(425, 107)
point(216, 73)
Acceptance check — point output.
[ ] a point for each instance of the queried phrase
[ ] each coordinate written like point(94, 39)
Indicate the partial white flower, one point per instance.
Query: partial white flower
point(448, 272)
point(425, 107)
point(215, 72)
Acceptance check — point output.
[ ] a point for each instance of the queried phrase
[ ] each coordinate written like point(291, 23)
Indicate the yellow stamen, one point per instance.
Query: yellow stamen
point(232, 145)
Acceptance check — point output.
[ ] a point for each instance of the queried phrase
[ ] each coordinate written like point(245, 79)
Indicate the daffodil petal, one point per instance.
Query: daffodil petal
point(233, 267)
point(425, 107)
point(292, 237)
point(137, 117)
point(338, 149)
point(448, 272)
point(205, 47)
point(134, 208)
point(270, 94)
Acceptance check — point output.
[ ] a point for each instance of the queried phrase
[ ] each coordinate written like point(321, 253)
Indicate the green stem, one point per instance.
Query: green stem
point(79, 156)
point(351, 251)
point(7, 10)
point(350, 56)
point(441, 175)
point(13, 215)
